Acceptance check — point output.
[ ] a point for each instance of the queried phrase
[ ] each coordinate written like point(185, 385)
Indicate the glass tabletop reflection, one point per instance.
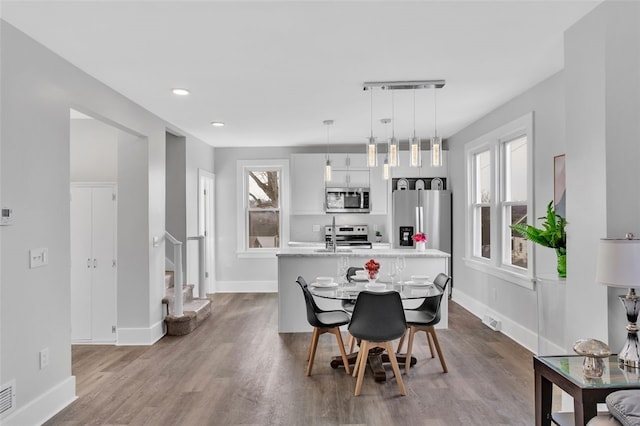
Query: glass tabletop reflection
point(350, 291)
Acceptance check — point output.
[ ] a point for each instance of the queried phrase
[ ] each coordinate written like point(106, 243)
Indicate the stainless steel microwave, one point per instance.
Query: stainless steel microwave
point(347, 200)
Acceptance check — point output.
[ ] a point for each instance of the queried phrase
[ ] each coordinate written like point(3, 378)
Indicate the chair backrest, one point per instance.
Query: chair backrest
point(378, 317)
point(432, 304)
point(352, 271)
point(312, 308)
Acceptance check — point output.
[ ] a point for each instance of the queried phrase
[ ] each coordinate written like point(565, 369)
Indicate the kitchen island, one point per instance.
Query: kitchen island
point(311, 263)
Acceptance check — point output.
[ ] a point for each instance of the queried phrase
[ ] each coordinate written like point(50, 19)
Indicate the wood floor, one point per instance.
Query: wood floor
point(236, 369)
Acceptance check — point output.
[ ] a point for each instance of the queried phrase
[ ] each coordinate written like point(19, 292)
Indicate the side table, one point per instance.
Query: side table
point(566, 372)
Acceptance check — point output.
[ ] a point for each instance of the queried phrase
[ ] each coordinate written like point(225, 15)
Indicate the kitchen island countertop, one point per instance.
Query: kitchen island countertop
point(315, 252)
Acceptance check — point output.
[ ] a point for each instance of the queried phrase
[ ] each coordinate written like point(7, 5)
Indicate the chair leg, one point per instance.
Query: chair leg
point(396, 369)
point(312, 349)
point(429, 341)
point(351, 342)
point(364, 351)
point(401, 342)
point(431, 330)
point(357, 364)
point(345, 361)
point(407, 363)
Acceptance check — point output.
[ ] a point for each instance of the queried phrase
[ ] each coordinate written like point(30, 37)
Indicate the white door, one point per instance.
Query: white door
point(206, 225)
point(93, 267)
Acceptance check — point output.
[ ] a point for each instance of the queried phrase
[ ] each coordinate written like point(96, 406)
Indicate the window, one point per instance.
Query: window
point(499, 181)
point(264, 195)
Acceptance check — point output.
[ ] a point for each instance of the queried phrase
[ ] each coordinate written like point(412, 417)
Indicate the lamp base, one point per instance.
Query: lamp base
point(629, 355)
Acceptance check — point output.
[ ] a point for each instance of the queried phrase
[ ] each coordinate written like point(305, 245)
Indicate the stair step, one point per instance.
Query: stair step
point(195, 311)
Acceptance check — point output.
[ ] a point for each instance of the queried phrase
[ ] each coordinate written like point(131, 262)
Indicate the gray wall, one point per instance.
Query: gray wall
point(176, 199)
point(515, 305)
point(94, 151)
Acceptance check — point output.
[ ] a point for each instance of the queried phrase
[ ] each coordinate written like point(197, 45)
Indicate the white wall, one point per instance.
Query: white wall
point(38, 88)
point(176, 222)
point(516, 306)
point(94, 151)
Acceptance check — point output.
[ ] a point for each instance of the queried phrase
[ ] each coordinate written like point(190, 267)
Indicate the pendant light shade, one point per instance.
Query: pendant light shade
point(385, 169)
point(394, 146)
point(385, 166)
point(372, 149)
point(327, 167)
point(436, 141)
point(415, 156)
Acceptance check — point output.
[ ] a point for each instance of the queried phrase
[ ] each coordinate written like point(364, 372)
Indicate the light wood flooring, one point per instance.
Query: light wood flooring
point(236, 369)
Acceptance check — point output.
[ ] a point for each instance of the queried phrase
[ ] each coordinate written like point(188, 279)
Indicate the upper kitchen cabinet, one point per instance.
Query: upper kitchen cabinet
point(349, 178)
point(349, 161)
point(405, 170)
point(379, 189)
point(307, 183)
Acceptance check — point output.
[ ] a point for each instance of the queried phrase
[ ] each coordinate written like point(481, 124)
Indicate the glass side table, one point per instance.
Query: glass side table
point(566, 373)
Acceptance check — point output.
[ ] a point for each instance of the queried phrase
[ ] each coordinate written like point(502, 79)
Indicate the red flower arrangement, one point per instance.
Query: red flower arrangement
point(420, 238)
point(372, 268)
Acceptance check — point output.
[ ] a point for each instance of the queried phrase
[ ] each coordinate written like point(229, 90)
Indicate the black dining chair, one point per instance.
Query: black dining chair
point(424, 318)
point(378, 318)
point(348, 305)
point(323, 322)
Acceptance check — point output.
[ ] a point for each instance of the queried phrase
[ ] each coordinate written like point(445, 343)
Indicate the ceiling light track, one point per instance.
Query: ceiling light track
point(404, 85)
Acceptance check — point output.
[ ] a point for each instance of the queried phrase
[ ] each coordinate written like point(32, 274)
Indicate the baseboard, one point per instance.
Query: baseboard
point(510, 328)
point(141, 336)
point(45, 406)
point(246, 286)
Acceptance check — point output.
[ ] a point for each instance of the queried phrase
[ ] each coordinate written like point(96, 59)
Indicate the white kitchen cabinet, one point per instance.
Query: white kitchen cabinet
point(307, 183)
point(349, 179)
point(379, 189)
point(93, 267)
point(348, 161)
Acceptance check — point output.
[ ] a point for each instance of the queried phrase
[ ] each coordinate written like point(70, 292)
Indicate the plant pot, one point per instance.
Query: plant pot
point(562, 265)
point(421, 246)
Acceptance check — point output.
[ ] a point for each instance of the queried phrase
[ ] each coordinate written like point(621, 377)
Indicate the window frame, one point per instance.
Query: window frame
point(242, 168)
point(500, 235)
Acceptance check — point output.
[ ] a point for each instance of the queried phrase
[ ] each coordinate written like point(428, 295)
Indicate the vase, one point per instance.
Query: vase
point(562, 265)
point(421, 246)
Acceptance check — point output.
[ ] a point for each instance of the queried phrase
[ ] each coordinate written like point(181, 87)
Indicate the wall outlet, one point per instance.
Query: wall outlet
point(44, 358)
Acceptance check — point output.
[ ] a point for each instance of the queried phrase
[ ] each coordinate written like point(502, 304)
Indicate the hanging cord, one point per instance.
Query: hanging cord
point(393, 115)
point(371, 110)
point(435, 112)
point(414, 113)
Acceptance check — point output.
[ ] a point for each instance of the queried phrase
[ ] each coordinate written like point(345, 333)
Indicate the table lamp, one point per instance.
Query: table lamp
point(619, 266)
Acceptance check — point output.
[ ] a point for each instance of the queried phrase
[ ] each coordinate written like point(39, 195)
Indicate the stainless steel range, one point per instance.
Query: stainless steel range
point(355, 236)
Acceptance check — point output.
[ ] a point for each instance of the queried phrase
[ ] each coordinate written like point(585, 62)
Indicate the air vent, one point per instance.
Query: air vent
point(7, 397)
point(492, 323)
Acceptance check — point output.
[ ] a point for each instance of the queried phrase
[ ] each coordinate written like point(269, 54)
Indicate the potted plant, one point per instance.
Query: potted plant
point(421, 241)
point(552, 234)
point(378, 237)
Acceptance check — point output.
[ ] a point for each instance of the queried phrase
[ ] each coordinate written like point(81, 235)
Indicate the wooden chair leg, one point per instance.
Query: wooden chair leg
point(345, 361)
point(312, 349)
point(407, 364)
point(401, 342)
point(351, 342)
point(364, 351)
point(357, 364)
point(396, 369)
point(432, 331)
point(429, 339)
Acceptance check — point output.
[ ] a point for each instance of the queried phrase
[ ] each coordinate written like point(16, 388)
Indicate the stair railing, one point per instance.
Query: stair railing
point(202, 267)
point(178, 302)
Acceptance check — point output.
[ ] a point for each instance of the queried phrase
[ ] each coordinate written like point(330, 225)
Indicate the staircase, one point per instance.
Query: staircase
point(196, 310)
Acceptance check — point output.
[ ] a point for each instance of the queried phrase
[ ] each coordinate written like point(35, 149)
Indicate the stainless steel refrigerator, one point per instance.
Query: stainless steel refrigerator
point(426, 211)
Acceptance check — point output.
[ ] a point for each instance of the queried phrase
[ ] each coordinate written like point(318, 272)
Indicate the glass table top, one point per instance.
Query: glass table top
point(614, 374)
point(350, 291)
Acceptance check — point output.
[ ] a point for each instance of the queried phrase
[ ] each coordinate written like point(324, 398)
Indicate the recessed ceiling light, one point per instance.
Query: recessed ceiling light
point(217, 123)
point(180, 91)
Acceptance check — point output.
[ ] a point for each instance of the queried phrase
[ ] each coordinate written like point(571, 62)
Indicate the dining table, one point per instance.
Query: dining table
point(347, 291)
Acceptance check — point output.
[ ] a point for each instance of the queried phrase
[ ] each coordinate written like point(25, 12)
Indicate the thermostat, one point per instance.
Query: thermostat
point(6, 216)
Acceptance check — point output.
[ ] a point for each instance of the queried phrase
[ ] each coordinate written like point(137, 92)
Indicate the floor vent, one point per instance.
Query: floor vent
point(8, 397)
point(492, 323)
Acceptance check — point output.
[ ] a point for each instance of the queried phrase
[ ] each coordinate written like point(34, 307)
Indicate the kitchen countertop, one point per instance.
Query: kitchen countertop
point(313, 252)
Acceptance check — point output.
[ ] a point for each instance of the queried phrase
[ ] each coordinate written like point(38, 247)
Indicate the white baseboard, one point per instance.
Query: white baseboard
point(246, 286)
point(45, 406)
point(510, 328)
point(141, 336)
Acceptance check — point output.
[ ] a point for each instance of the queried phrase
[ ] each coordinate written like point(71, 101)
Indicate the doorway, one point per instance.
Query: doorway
point(206, 220)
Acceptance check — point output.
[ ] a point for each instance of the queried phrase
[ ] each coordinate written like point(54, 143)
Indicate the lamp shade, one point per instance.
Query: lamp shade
point(619, 263)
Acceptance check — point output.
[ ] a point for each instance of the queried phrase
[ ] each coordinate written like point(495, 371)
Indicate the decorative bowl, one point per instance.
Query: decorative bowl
point(420, 279)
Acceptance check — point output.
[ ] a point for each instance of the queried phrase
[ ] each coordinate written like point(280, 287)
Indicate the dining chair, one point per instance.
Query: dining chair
point(323, 322)
point(424, 318)
point(348, 305)
point(378, 318)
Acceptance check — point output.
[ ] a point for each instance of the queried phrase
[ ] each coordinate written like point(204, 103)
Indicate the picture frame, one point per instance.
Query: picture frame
point(559, 185)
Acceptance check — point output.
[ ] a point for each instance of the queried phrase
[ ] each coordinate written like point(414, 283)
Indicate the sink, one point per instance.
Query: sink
point(326, 250)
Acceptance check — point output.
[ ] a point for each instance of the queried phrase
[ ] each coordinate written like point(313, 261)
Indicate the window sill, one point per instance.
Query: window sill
point(502, 273)
point(268, 253)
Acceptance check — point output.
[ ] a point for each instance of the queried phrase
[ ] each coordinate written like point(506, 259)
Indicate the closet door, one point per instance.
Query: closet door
point(81, 263)
point(103, 297)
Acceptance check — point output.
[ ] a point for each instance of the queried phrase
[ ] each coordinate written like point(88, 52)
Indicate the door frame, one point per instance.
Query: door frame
point(206, 204)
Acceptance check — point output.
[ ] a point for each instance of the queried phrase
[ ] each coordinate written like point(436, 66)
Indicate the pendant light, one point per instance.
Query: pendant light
point(394, 148)
point(327, 167)
point(415, 156)
point(436, 141)
point(385, 166)
point(372, 149)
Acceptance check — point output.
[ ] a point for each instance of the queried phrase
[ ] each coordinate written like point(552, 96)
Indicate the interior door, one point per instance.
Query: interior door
point(206, 216)
point(81, 263)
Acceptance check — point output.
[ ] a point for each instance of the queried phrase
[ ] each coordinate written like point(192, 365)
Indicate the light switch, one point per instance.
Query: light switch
point(38, 257)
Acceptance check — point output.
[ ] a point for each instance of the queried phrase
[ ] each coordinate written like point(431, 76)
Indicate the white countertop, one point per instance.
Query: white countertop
point(313, 252)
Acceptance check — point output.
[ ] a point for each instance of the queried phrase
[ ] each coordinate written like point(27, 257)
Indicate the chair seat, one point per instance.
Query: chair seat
point(330, 319)
point(420, 318)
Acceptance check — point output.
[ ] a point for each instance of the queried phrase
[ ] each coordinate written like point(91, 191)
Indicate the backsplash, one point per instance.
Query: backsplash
point(302, 225)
